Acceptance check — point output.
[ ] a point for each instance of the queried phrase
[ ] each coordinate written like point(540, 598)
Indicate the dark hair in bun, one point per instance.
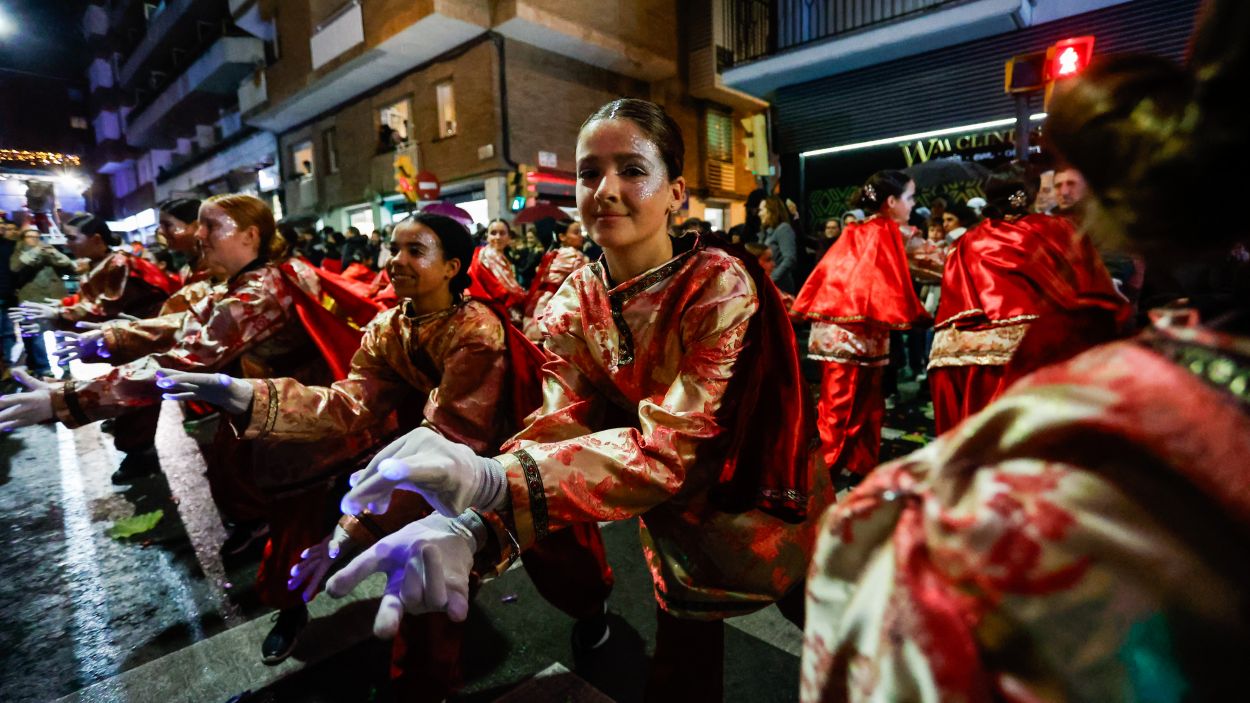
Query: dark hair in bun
point(186, 210)
point(878, 188)
point(1010, 191)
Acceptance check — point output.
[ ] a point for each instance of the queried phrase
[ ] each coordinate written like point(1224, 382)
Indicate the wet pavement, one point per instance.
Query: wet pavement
point(81, 607)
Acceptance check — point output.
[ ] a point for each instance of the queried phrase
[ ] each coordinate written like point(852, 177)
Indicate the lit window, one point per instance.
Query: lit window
point(78, 122)
point(396, 118)
point(302, 160)
point(720, 137)
point(446, 108)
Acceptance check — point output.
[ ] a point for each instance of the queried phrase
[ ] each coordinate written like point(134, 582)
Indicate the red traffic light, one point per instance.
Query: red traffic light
point(1069, 57)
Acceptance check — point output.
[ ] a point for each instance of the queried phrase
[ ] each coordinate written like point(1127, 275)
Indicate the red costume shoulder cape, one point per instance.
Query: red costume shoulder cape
point(766, 413)
point(150, 274)
point(863, 278)
point(526, 361)
point(486, 286)
point(539, 285)
point(1002, 271)
point(336, 334)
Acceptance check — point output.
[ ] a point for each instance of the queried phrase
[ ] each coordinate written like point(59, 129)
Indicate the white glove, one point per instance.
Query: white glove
point(29, 408)
point(85, 325)
point(32, 311)
point(449, 475)
point(316, 561)
point(226, 392)
point(87, 346)
point(427, 565)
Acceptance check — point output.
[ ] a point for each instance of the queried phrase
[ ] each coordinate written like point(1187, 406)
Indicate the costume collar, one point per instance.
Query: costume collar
point(1217, 359)
point(256, 263)
point(423, 318)
point(683, 247)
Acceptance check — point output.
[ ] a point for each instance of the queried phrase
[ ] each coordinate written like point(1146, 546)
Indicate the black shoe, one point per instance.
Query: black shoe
point(281, 640)
point(589, 634)
point(243, 538)
point(137, 465)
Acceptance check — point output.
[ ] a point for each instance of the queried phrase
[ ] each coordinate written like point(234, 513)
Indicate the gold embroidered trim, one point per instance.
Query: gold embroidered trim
point(271, 412)
point(817, 317)
point(617, 299)
point(538, 496)
point(991, 323)
point(70, 390)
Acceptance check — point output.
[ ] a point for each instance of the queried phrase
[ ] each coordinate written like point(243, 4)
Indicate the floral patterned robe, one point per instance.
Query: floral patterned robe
point(551, 274)
point(110, 289)
point(1082, 538)
point(633, 381)
point(246, 328)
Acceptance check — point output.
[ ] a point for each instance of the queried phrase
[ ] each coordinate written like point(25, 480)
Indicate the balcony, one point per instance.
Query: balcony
point(112, 155)
point(253, 93)
point(244, 152)
point(174, 27)
point(195, 96)
point(765, 44)
point(253, 16)
point(623, 40)
point(342, 66)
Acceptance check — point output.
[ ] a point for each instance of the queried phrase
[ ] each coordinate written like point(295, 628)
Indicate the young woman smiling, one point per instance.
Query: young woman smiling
point(658, 358)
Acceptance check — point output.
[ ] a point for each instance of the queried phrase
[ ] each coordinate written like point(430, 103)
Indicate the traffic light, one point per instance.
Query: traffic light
point(521, 187)
point(1067, 58)
point(1026, 73)
point(756, 141)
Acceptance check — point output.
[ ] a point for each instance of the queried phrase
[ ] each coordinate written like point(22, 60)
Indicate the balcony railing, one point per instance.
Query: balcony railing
point(755, 29)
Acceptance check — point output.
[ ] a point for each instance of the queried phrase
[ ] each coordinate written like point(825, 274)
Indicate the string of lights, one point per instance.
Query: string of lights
point(52, 158)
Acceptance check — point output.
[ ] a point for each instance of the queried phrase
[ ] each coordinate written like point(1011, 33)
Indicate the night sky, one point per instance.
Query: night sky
point(47, 38)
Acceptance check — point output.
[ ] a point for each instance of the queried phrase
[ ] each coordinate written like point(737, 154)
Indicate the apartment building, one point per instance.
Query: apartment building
point(468, 90)
point(164, 82)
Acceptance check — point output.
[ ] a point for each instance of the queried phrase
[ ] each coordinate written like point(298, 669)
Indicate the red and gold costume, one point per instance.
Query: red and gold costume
point(119, 283)
point(634, 422)
point(1016, 296)
point(451, 370)
point(250, 326)
point(1082, 538)
point(857, 294)
point(552, 270)
point(494, 279)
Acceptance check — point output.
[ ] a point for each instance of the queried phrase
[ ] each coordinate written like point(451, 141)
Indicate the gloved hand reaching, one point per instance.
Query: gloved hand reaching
point(449, 475)
point(31, 316)
point(427, 565)
point(226, 392)
point(87, 346)
point(29, 408)
point(317, 560)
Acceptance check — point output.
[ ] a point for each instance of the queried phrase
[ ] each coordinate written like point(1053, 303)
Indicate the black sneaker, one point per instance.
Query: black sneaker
point(281, 640)
point(589, 634)
point(243, 538)
point(137, 465)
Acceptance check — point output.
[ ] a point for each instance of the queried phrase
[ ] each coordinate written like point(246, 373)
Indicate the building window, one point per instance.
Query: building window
point(302, 159)
point(330, 147)
point(446, 96)
point(77, 122)
point(720, 137)
point(394, 127)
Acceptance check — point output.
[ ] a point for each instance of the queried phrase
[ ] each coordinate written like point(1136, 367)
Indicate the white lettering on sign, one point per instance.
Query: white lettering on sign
point(547, 159)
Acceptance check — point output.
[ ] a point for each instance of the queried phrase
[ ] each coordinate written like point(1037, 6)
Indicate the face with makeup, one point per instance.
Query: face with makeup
point(227, 245)
point(573, 237)
point(178, 235)
point(498, 237)
point(417, 267)
point(624, 192)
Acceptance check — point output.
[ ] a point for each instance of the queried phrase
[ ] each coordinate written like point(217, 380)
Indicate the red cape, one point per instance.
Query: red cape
point(863, 277)
point(335, 337)
point(357, 271)
point(1000, 271)
point(150, 274)
point(539, 285)
point(486, 286)
point(526, 361)
point(765, 411)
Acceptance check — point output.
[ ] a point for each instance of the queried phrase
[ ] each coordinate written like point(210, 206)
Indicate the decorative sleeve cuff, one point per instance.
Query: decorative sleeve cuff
point(65, 405)
point(264, 414)
point(529, 498)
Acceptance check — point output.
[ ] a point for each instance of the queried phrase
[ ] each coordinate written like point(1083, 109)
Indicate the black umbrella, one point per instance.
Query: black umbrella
point(932, 174)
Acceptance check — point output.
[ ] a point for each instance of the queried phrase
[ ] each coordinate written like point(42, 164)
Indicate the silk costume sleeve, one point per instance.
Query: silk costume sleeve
point(130, 339)
point(285, 409)
point(228, 327)
point(103, 294)
point(469, 404)
point(559, 473)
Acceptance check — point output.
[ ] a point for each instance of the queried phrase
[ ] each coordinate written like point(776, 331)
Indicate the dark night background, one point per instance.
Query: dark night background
point(43, 60)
